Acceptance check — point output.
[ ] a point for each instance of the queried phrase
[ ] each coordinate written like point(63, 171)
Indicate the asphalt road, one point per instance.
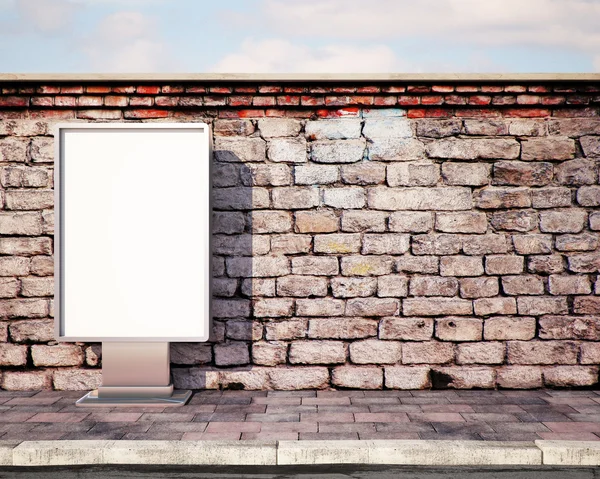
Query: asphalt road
point(295, 472)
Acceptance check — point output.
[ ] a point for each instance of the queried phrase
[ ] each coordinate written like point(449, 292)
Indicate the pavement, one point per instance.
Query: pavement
point(439, 427)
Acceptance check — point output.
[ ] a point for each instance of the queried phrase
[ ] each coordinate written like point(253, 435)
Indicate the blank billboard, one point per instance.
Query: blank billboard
point(132, 232)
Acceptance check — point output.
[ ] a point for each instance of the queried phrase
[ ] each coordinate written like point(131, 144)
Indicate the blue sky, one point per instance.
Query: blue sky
point(294, 36)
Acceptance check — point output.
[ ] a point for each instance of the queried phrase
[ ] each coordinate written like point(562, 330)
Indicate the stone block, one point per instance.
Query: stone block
point(413, 174)
point(239, 149)
point(295, 197)
point(240, 198)
point(468, 222)
point(23, 308)
point(342, 328)
point(58, 355)
point(542, 352)
point(498, 305)
point(435, 306)
point(406, 329)
point(418, 264)
point(532, 244)
point(521, 173)
point(483, 287)
point(590, 353)
point(570, 376)
point(358, 221)
point(301, 286)
point(257, 267)
point(273, 307)
point(350, 287)
point(233, 128)
point(486, 127)
point(13, 355)
point(366, 265)
point(337, 151)
point(514, 220)
point(372, 307)
point(547, 264)
point(286, 330)
point(433, 286)
point(258, 287)
point(320, 307)
point(241, 245)
point(504, 264)
point(519, 377)
point(466, 174)
point(390, 286)
point(586, 196)
point(270, 221)
point(231, 308)
point(288, 379)
point(494, 197)
point(461, 266)
point(564, 221)
point(338, 129)
point(429, 352)
point(569, 284)
point(26, 224)
point(35, 287)
point(399, 127)
point(586, 305)
point(388, 243)
point(14, 150)
point(550, 148)
point(527, 128)
point(509, 328)
point(436, 244)
point(480, 353)
point(231, 354)
point(278, 127)
point(337, 243)
point(77, 379)
point(594, 220)
point(346, 197)
point(23, 246)
point(9, 287)
point(311, 174)
point(14, 266)
point(287, 150)
point(458, 329)
point(485, 244)
point(266, 175)
point(410, 221)
point(407, 377)
point(357, 377)
point(574, 127)
point(186, 353)
point(580, 242)
point(522, 284)
point(315, 265)
point(269, 353)
point(317, 352)
point(536, 306)
point(590, 146)
point(320, 221)
point(551, 197)
point(228, 222)
point(472, 149)
point(463, 377)
point(576, 172)
point(395, 149)
point(366, 173)
point(584, 263)
point(438, 128)
point(290, 244)
point(450, 198)
point(375, 351)
point(569, 327)
point(25, 177)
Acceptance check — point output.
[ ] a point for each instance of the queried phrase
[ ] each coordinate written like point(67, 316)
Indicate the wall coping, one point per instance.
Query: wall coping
point(300, 77)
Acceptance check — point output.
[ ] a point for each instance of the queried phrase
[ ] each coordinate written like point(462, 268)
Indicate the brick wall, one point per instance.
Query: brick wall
point(388, 235)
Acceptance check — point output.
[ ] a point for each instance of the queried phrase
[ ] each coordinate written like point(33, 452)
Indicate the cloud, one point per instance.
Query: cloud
point(127, 42)
point(277, 56)
point(46, 16)
point(556, 23)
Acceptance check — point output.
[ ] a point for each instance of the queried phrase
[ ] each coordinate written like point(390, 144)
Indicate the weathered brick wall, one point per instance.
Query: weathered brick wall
point(396, 235)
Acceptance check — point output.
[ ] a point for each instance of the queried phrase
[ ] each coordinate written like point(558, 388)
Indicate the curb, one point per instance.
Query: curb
point(271, 453)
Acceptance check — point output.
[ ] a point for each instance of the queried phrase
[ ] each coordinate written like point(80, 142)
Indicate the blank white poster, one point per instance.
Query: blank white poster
point(133, 232)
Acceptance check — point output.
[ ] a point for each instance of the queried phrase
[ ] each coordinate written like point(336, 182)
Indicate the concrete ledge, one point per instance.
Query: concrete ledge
point(297, 77)
point(426, 453)
point(269, 453)
point(570, 453)
point(57, 453)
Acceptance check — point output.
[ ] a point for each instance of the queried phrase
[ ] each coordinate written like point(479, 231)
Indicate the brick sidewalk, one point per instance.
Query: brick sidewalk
point(282, 415)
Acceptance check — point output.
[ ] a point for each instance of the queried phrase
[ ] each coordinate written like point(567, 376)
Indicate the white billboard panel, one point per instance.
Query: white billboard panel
point(132, 253)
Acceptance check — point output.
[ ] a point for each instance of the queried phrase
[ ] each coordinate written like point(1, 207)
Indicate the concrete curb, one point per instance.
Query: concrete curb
point(270, 453)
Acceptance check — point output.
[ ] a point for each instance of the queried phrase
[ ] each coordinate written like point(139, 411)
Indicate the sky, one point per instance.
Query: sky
point(299, 36)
